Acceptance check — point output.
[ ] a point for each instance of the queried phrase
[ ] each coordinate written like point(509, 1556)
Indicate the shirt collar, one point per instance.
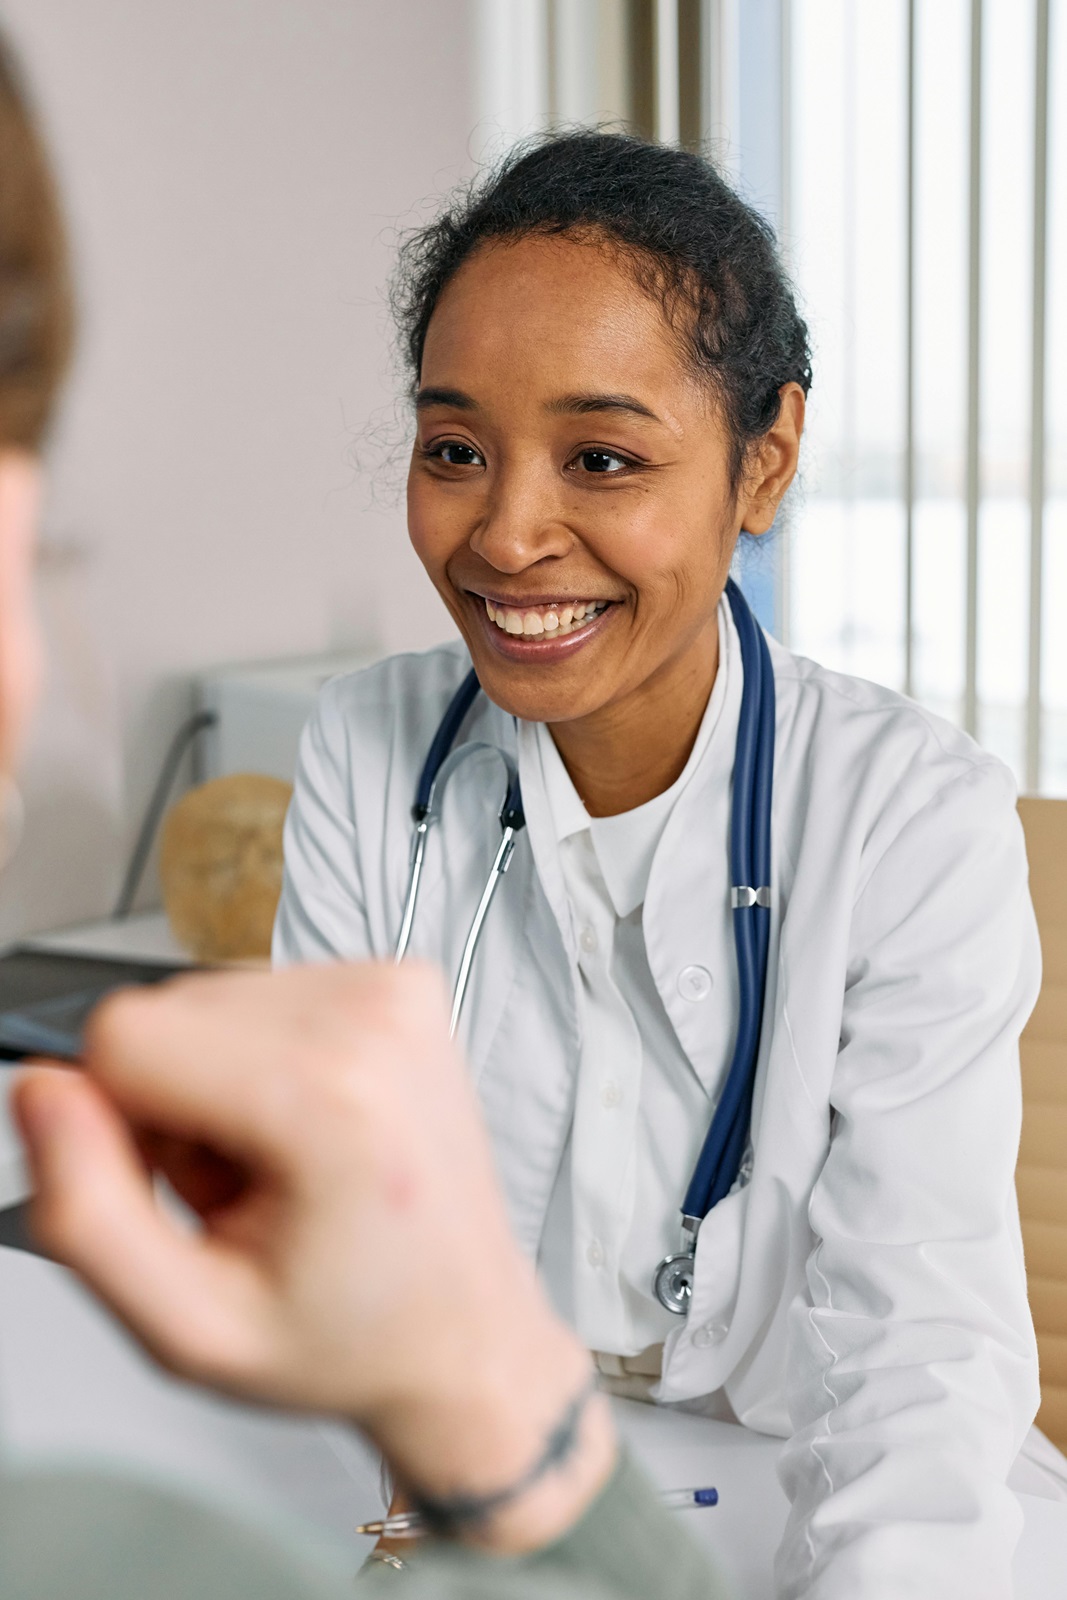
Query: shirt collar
point(569, 815)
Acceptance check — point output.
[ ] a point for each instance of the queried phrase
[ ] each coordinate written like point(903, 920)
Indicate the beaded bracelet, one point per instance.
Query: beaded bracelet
point(446, 1517)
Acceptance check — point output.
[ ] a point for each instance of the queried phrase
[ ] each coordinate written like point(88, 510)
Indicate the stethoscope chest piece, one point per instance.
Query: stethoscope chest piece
point(674, 1282)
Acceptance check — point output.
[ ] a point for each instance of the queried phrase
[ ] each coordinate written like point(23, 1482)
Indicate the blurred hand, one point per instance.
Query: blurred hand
point(354, 1254)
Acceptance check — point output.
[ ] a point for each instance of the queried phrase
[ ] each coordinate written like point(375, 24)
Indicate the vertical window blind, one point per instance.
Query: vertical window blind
point(913, 155)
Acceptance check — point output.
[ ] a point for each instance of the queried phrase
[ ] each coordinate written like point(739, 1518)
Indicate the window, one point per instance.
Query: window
point(927, 201)
point(914, 158)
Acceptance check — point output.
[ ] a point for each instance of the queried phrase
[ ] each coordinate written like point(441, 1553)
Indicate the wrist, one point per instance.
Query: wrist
point(479, 1433)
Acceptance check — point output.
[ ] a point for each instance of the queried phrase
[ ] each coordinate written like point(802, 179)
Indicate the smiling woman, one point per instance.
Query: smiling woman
point(609, 377)
point(664, 369)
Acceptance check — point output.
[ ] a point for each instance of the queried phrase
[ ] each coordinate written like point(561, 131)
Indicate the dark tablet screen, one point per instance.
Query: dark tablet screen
point(46, 995)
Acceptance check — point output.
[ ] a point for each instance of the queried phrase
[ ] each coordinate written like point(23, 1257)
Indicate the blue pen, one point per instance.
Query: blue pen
point(688, 1499)
point(410, 1525)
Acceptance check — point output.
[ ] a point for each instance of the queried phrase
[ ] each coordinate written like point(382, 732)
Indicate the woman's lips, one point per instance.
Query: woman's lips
point(542, 629)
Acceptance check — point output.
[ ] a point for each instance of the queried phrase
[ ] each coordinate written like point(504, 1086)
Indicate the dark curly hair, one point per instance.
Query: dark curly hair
point(690, 240)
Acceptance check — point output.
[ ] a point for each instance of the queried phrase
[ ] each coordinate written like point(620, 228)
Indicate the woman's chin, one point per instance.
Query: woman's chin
point(542, 678)
point(531, 702)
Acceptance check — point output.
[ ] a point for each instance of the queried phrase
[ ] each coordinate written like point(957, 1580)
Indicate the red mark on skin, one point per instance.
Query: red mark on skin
point(401, 1188)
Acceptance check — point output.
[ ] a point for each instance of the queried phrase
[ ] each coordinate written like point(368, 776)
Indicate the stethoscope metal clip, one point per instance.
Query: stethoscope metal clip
point(425, 813)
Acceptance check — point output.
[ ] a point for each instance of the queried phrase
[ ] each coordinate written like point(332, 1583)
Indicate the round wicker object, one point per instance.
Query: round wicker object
point(221, 866)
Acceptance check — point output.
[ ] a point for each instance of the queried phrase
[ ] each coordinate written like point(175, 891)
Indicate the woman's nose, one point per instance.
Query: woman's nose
point(522, 524)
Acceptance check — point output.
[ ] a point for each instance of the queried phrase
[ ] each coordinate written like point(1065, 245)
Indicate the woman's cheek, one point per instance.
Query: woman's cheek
point(428, 525)
point(420, 533)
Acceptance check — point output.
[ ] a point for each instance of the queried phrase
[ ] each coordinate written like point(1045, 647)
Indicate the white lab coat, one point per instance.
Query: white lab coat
point(863, 1296)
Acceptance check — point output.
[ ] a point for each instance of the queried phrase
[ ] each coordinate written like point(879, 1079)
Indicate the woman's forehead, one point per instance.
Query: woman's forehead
point(552, 302)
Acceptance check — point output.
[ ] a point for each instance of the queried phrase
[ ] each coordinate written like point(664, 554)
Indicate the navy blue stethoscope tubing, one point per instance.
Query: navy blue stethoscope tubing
point(722, 1153)
point(511, 813)
point(443, 740)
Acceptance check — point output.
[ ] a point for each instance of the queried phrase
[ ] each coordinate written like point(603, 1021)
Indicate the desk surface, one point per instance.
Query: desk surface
point(73, 1384)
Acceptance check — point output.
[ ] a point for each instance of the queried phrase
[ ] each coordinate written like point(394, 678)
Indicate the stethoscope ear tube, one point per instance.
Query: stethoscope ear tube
point(443, 740)
point(438, 767)
point(501, 862)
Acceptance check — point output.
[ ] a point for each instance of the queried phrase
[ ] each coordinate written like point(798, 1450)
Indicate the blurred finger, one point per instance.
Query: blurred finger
point(211, 1058)
point(205, 1180)
point(193, 1304)
point(181, 1057)
point(230, 1060)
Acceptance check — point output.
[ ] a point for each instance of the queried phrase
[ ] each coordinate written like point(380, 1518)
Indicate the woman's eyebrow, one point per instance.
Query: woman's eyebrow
point(581, 405)
point(455, 398)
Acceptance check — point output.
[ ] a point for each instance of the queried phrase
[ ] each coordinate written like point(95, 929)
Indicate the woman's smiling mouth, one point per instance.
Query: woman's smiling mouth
point(556, 617)
point(542, 628)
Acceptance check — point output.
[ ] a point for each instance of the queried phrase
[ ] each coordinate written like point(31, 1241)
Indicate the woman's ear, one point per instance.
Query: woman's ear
point(774, 462)
point(20, 644)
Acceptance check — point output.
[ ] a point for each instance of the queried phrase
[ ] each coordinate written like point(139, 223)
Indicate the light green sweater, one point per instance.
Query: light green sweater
point(89, 1536)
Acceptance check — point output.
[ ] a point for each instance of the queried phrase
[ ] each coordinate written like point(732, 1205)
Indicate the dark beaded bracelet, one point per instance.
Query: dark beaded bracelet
point(447, 1517)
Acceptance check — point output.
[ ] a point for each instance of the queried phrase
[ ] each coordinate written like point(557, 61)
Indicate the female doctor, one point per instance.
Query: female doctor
point(609, 376)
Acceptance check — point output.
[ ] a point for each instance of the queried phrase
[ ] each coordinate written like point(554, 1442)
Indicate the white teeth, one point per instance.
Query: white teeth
point(557, 621)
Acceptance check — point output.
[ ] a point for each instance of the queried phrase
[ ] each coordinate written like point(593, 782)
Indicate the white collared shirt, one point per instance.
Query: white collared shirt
point(640, 1109)
point(864, 1295)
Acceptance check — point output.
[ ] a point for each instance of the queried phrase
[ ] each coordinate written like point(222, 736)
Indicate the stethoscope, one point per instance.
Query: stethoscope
point(722, 1162)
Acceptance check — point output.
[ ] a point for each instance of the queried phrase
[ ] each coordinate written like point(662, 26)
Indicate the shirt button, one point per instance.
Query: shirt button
point(694, 983)
point(611, 1096)
point(588, 940)
point(594, 1254)
point(709, 1334)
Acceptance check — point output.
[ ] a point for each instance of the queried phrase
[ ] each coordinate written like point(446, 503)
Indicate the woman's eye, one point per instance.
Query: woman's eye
point(601, 461)
point(454, 454)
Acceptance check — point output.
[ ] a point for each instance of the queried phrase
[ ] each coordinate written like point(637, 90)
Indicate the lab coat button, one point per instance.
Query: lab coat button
point(588, 940)
point(594, 1254)
point(694, 983)
point(709, 1334)
point(611, 1096)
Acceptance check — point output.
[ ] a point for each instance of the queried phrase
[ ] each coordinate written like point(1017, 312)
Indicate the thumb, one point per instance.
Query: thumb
point(190, 1301)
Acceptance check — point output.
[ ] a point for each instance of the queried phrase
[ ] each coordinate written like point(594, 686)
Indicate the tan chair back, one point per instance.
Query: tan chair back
point(1042, 1171)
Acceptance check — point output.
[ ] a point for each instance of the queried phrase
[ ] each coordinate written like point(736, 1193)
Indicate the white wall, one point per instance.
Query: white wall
point(233, 171)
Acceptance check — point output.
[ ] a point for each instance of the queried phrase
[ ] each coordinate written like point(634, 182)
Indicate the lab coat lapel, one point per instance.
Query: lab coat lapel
point(526, 1071)
point(688, 932)
point(541, 828)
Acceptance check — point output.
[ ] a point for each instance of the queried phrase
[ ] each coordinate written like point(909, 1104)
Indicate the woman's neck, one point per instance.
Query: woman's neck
point(635, 748)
